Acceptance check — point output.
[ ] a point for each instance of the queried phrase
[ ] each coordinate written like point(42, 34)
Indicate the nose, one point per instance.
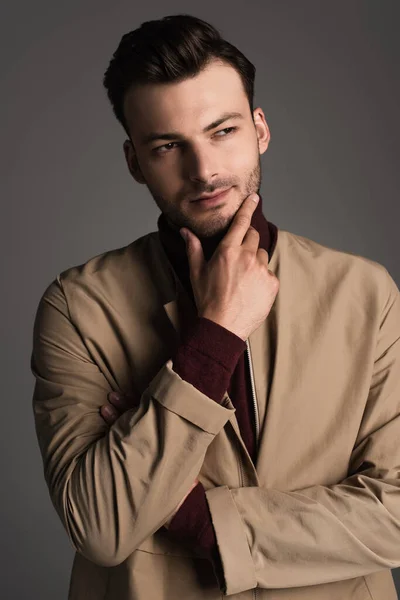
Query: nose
point(200, 164)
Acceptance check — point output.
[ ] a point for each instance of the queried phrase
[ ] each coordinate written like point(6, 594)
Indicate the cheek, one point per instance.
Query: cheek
point(167, 186)
point(244, 153)
point(161, 174)
point(242, 160)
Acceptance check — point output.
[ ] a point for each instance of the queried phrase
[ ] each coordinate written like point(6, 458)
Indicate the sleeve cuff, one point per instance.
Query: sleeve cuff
point(207, 357)
point(180, 397)
point(237, 563)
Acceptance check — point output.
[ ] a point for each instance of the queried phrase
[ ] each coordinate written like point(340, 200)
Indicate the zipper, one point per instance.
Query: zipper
point(253, 392)
point(256, 415)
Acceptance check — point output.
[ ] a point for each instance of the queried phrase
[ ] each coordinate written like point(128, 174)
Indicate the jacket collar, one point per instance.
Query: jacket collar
point(178, 305)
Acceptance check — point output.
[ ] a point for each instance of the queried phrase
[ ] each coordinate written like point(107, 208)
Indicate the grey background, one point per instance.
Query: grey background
point(328, 81)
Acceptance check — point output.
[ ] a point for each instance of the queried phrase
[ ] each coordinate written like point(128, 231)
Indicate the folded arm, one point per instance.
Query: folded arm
point(275, 539)
point(111, 487)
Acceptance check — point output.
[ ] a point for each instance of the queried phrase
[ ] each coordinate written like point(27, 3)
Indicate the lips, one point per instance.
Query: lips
point(210, 197)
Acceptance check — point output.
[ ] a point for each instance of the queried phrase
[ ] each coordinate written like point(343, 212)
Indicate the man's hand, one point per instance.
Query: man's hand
point(118, 404)
point(235, 288)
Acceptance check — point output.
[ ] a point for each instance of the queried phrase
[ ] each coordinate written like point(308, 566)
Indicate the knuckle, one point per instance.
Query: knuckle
point(248, 257)
point(226, 253)
point(276, 282)
point(254, 232)
point(273, 280)
point(263, 254)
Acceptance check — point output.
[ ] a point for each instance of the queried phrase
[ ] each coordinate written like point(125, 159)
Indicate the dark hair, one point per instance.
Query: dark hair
point(170, 49)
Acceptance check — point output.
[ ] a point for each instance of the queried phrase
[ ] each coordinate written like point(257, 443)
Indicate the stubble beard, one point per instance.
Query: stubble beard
point(216, 224)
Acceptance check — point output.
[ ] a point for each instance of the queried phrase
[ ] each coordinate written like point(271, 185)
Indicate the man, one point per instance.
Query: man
point(219, 416)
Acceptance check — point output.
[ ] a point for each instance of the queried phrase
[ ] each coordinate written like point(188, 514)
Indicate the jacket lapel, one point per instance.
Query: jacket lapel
point(260, 341)
point(171, 309)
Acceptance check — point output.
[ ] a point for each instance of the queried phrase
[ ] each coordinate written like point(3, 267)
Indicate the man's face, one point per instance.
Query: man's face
point(185, 157)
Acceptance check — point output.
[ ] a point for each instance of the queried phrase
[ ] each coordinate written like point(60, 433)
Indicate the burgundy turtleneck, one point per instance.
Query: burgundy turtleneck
point(211, 358)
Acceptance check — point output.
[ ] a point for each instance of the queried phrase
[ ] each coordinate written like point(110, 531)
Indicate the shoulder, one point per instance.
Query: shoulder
point(113, 262)
point(105, 271)
point(335, 270)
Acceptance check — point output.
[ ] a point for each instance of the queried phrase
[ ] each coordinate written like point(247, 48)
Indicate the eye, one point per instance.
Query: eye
point(228, 130)
point(170, 146)
point(164, 148)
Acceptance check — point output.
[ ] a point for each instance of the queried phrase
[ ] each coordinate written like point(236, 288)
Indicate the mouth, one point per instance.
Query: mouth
point(211, 199)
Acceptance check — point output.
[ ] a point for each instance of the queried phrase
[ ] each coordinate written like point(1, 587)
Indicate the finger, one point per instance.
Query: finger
point(109, 413)
point(123, 401)
point(194, 251)
point(241, 222)
point(251, 239)
point(263, 255)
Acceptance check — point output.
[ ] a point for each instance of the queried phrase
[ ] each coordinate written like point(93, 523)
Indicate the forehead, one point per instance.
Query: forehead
point(186, 106)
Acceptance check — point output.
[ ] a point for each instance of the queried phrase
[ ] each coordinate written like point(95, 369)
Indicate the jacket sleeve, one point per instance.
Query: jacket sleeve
point(269, 538)
point(112, 487)
point(206, 358)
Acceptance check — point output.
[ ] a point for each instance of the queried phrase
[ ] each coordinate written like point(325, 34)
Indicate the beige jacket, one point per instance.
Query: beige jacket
point(318, 516)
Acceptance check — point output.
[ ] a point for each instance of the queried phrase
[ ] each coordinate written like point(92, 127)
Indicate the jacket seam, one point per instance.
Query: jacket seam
point(368, 588)
point(170, 554)
point(65, 296)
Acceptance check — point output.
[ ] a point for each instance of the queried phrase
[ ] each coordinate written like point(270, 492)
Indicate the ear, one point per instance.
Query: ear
point(262, 129)
point(132, 162)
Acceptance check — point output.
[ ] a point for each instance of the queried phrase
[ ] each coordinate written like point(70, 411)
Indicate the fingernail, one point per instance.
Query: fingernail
point(115, 395)
point(109, 411)
point(255, 197)
point(183, 234)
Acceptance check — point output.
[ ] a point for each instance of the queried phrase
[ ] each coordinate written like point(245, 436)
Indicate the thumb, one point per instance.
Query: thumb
point(194, 251)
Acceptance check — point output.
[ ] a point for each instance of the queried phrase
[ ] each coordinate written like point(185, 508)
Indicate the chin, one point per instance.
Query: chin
point(212, 230)
point(213, 224)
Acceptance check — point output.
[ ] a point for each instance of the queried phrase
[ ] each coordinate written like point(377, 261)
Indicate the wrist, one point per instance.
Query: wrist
point(219, 320)
point(168, 522)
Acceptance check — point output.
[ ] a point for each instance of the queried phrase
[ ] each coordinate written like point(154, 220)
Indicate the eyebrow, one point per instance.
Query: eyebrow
point(172, 135)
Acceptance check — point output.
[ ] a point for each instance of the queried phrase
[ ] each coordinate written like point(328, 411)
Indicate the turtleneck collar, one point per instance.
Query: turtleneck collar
point(175, 247)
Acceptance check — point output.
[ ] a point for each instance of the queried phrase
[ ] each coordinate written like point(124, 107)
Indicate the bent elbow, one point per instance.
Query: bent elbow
point(101, 556)
point(100, 545)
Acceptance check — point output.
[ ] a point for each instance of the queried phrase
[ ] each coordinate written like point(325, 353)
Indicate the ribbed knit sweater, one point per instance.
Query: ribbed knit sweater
point(212, 359)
